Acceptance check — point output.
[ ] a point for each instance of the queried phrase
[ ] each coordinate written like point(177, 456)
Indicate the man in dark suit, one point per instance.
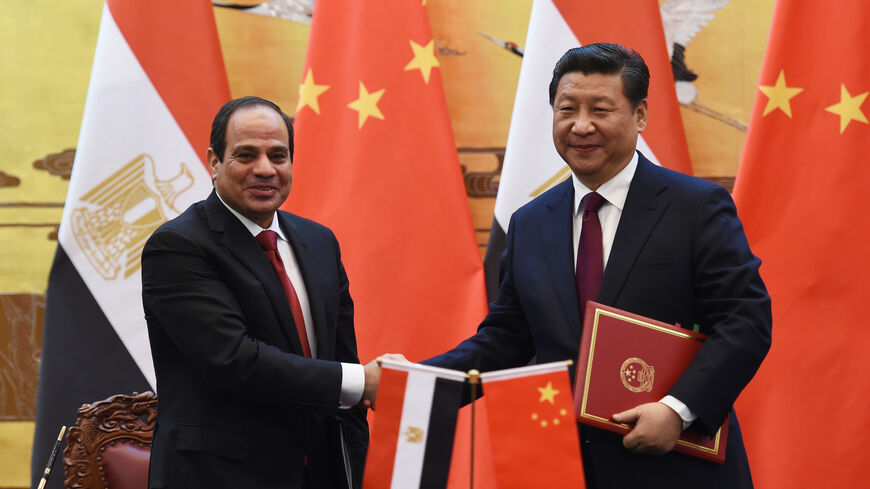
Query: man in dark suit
point(671, 247)
point(258, 378)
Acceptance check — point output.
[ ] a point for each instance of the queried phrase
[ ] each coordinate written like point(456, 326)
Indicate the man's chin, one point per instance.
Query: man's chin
point(585, 168)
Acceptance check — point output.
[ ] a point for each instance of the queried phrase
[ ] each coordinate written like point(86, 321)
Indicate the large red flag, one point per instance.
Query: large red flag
point(802, 194)
point(376, 162)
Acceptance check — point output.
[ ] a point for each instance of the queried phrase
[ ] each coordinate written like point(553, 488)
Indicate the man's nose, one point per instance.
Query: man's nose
point(263, 167)
point(582, 124)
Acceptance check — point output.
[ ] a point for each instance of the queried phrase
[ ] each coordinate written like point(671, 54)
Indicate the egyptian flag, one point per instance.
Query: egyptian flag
point(412, 439)
point(532, 428)
point(157, 80)
point(802, 196)
point(531, 164)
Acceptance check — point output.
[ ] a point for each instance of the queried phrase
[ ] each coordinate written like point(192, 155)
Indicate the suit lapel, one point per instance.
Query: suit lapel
point(556, 228)
point(308, 267)
point(236, 238)
point(646, 202)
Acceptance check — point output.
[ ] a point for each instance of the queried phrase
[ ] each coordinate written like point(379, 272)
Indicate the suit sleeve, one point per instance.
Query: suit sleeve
point(734, 308)
point(186, 298)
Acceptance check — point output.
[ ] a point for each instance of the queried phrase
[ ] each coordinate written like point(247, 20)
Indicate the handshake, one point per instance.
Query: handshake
point(373, 377)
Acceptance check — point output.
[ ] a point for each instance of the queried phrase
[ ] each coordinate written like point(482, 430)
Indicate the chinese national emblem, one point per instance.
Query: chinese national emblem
point(637, 375)
point(126, 208)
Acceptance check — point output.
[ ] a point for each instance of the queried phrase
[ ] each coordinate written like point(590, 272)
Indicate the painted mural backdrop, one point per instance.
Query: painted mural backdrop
point(46, 52)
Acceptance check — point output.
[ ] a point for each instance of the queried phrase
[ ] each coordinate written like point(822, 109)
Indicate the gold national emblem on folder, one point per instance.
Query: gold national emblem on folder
point(126, 208)
point(637, 375)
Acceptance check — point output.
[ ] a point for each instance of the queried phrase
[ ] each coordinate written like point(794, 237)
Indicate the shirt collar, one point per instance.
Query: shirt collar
point(250, 225)
point(614, 190)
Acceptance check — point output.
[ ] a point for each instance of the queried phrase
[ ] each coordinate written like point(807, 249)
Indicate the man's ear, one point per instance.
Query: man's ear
point(213, 162)
point(641, 114)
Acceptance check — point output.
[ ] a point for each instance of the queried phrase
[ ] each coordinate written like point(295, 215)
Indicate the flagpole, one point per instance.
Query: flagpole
point(51, 458)
point(474, 380)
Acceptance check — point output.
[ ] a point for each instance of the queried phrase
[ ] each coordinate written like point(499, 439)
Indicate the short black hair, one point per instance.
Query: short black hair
point(218, 139)
point(607, 59)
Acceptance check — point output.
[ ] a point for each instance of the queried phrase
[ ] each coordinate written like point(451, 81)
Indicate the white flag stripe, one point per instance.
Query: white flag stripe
point(411, 445)
point(513, 373)
point(416, 367)
point(124, 118)
point(530, 156)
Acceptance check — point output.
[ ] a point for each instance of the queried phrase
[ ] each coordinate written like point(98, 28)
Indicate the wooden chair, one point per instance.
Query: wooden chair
point(110, 444)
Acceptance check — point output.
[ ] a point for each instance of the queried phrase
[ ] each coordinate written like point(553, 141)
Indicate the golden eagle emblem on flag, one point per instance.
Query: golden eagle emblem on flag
point(125, 209)
point(413, 434)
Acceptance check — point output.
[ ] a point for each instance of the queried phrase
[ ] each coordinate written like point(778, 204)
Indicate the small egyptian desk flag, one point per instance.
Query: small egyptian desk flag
point(412, 437)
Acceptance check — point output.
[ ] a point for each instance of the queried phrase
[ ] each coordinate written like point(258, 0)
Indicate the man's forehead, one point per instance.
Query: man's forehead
point(578, 79)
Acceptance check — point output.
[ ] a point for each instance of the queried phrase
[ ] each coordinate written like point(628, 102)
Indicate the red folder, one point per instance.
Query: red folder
point(626, 360)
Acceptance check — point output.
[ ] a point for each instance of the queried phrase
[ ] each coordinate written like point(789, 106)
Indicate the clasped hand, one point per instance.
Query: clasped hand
point(656, 428)
point(373, 377)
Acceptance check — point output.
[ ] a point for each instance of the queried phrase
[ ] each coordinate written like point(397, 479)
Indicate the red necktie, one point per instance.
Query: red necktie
point(269, 241)
point(590, 252)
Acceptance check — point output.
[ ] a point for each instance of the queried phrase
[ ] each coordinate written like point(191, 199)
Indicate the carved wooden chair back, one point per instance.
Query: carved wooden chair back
point(110, 444)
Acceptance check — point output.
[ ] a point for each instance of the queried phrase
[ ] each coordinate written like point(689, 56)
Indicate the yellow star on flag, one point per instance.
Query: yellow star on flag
point(778, 95)
point(308, 93)
point(849, 108)
point(367, 104)
point(548, 393)
point(424, 59)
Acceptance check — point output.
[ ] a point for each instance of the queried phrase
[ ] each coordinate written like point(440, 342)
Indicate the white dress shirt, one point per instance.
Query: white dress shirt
point(615, 192)
point(352, 374)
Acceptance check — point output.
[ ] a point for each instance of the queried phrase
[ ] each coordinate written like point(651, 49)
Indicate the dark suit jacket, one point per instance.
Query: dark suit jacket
point(679, 256)
point(239, 406)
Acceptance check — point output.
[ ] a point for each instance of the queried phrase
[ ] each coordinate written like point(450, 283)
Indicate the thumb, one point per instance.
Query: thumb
point(629, 416)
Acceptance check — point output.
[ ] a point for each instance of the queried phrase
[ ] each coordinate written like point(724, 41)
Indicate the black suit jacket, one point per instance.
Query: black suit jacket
point(239, 406)
point(679, 256)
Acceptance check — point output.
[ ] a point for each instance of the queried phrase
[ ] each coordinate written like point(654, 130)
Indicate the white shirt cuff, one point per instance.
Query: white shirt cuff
point(353, 383)
point(682, 410)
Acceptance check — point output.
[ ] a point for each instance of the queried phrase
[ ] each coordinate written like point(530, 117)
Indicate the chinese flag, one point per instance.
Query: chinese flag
point(532, 427)
point(802, 194)
point(376, 162)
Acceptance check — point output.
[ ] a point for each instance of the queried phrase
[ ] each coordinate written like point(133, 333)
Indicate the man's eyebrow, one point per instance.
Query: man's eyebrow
point(243, 147)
